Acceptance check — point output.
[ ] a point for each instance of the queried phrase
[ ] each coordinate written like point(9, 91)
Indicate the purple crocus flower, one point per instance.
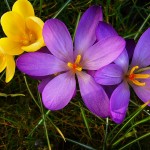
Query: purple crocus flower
point(122, 74)
point(65, 63)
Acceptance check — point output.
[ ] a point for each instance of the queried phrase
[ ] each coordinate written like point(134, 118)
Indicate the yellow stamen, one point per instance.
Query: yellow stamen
point(78, 59)
point(27, 39)
point(132, 77)
point(75, 66)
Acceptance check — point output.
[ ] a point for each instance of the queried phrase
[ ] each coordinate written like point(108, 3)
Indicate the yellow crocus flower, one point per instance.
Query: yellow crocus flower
point(23, 33)
point(22, 28)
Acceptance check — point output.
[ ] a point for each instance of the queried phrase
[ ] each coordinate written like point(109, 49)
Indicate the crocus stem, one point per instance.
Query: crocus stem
point(61, 9)
point(140, 29)
point(7, 5)
point(106, 133)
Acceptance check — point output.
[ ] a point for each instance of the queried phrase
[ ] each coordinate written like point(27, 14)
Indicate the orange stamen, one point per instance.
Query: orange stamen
point(75, 66)
point(133, 77)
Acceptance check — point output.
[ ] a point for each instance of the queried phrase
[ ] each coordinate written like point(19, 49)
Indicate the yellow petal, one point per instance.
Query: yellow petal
point(35, 26)
point(10, 47)
point(23, 8)
point(34, 47)
point(10, 69)
point(2, 61)
point(13, 25)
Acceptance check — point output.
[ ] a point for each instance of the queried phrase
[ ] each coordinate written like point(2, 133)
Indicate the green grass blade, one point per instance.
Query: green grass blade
point(45, 127)
point(81, 144)
point(39, 123)
point(85, 120)
point(141, 137)
point(106, 133)
point(140, 29)
point(25, 79)
point(11, 95)
point(132, 117)
point(61, 9)
point(7, 5)
point(78, 18)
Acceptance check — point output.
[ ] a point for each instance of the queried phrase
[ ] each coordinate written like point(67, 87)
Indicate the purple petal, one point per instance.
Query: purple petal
point(141, 56)
point(104, 30)
point(130, 46)
point(109, 75)
point(109, 89)
point(44, 82)
point(119, 102)
point(123, 61)
point(143, 92)
point(59, 91)
point(40, 64)
point(58, 40)
point(91, 72)
point(44, 50)
point(85, 34)
point(103, 53)
point(93, 95)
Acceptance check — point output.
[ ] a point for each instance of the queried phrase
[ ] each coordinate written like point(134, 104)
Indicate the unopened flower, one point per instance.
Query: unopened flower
point(66, 63)
point(122, 74)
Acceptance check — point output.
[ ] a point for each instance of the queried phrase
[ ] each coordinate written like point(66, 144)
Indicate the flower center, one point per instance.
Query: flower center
point(133, 77)
point(75, 66)
point(28, 39)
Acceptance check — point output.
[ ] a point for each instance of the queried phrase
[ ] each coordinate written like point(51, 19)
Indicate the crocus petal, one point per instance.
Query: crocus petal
point(58, 39)
point(40, 64)
point(102, 53)
point(141, 56)
point(35, 26)
point(13, 25)
point(2, 61)
point(130, 46)
point(109, 75)
point(59, 91)
point(143, 92)
point(10, 69)
point(44, 82)
point(44, 50)
point(123, 61)
point(85, 34)
point(93, 95)
point(119, 102)
point(11, 47)
point(23, 8)
point(104, 30)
